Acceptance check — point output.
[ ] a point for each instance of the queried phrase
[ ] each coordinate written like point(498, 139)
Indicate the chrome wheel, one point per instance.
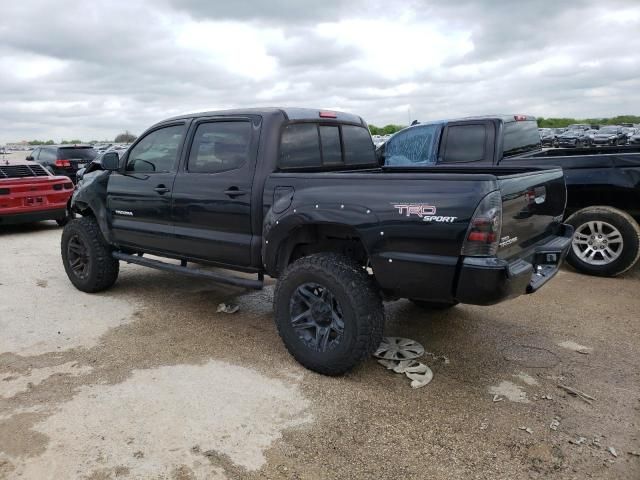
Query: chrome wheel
point(597, 243)
point(317, 317)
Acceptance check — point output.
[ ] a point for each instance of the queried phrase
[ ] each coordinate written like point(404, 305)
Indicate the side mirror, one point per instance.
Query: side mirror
point(110, 161)
point(29, 157)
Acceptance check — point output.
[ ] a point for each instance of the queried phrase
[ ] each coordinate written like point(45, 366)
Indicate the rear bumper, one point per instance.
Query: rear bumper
point(486, 281)
point(29, 217)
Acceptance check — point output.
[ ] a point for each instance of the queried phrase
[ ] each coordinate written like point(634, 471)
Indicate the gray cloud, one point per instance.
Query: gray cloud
point(90, 70)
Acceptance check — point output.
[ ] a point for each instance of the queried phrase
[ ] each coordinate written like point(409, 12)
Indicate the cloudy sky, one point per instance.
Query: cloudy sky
point(93, 69)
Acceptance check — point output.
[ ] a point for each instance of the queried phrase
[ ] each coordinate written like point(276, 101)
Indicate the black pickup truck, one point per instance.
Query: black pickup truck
point(603, 185)
point(298, 194)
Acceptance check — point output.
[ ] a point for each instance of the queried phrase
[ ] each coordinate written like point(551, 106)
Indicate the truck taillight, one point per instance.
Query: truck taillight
point(483, 235)
point(63, 163)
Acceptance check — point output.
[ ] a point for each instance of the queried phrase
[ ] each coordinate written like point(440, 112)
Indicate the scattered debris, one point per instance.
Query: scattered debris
point(555, 423)
point(510, 391)
point(398, 348)
point(484, 425)
point(634, 453)
point(527, 429)
point(578, 441)
point(138, 454)
point(596, 442)
point(497, 398)
point(526, 378)
point(419, 380)
point(613, 452)
point(569, 345)
point(546, 397)
point(227, 308)
point(398, 354)
point(577, 393)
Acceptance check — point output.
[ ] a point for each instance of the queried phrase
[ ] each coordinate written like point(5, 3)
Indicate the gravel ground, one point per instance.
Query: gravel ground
point(148, 381)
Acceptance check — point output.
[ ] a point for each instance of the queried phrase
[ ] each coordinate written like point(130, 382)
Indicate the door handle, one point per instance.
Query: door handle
point(235, 192)
point(161, 189)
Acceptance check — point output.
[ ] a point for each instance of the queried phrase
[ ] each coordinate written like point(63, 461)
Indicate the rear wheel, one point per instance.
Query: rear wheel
point(433, 305)
point(606, 241)
point(328, 312)
point(86, 256)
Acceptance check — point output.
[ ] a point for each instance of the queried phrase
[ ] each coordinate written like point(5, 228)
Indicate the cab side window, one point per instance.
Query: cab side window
point(219, 146)
point(47, 155)
point(465, 143)
point(157, 151)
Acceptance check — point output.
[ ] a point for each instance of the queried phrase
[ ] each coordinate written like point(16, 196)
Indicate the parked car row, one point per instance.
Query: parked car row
point(583, 135)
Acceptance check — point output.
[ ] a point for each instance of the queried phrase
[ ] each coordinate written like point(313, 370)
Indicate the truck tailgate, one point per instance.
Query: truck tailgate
point(532, 205)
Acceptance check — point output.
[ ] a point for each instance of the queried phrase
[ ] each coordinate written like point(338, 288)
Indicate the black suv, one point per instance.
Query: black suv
point(63, 159)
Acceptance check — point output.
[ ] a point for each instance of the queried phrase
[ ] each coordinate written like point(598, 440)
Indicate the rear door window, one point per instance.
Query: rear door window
point(521, 137)
point(465, 143)
point(47, 155)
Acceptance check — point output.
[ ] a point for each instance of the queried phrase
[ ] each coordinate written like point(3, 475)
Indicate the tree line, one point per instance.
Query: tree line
point(125, 137)
point(565, 122)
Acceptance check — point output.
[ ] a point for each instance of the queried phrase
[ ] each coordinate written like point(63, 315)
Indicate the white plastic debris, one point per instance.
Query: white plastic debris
point(613, 452)
point(527, 429)
point(555, 423)
point(578, 441)
point(484, 425)
point(398, 348)
point(497, 398)
point(546, 397)
point(410, 366)
point(227, 308)
point(419, 380)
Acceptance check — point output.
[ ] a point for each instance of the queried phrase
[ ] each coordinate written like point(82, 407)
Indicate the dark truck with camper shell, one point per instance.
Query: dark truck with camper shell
point(298, 194)
point(603, 185)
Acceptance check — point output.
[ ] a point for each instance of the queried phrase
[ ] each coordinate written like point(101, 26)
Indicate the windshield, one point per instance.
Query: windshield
point(415, 146)
point(609, 130)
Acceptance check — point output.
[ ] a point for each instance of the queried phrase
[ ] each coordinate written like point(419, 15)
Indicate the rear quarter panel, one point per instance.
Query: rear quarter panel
point(403, 220)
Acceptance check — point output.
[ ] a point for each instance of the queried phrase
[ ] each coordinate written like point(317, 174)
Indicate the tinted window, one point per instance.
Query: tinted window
point(157, 151)
point(358, 146)
point(47, 155)
point(83, 154)
point(331, 149)
point(300, 146)
point(219, 146)
point(520, 137)
point(466, 143)
point(415, 146)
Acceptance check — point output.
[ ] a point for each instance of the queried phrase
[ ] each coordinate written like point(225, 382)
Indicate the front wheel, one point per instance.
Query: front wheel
point(329, 313)
point(606, 241)
point(86, 256)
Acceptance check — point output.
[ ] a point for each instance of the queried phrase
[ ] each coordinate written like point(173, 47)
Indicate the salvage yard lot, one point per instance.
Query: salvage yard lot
point(148, 381)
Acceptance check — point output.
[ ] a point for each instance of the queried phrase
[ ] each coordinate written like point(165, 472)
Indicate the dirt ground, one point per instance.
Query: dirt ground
point(148, 381)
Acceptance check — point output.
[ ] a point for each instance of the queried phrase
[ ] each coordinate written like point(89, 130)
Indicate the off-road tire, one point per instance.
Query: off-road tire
point(360, 302)
point(102, 271)
point(628, 228)
point(433, 305)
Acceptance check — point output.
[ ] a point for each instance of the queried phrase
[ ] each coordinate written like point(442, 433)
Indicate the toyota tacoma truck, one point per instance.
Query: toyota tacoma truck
point(297, 194)
point(603, 185)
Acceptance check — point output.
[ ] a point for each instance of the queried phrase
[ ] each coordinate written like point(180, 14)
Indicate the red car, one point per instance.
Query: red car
point(30, 193)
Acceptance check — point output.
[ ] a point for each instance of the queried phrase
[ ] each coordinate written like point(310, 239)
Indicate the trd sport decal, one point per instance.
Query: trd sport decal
point(423, 210)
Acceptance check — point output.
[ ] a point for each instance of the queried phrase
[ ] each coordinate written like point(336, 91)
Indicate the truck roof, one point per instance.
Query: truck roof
point(290, 113)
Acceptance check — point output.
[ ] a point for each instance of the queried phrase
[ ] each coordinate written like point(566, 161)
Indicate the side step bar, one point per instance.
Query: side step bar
point(193, 272)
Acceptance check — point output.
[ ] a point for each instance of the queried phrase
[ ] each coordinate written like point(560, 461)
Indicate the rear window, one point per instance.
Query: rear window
point(85, 154)
point(520, 137)
point(310, 145)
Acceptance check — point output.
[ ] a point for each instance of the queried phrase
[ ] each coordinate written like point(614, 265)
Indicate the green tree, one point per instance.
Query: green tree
point(125, 137)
